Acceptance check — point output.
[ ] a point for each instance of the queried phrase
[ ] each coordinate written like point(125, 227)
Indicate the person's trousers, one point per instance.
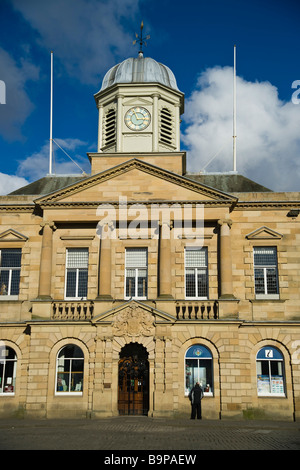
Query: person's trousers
point(196, 410)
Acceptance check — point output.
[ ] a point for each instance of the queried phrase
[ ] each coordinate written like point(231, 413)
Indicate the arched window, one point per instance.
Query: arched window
point(270, 372)
point(199, 368)
point(8, 367)
point(69, 370)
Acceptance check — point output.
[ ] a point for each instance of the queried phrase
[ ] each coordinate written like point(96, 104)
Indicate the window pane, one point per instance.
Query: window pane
point(195, 258)
point(11, 258)
point(15, 282)
point(202, 283)
point(4, 279)
point(71, 283)
point(259, 281)
point(8, 361)
point(265, 256)
point(82, 282)
point(272, 286)
point(190, 283)
point(130, 283)
point(142, 283)
point(136, 258)
point(77, 258)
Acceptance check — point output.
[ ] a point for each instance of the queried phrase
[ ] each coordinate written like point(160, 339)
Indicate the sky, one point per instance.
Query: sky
point(195, 39)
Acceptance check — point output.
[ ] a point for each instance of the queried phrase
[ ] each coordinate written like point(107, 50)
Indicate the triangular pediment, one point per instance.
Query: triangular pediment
point(133, 318)
point(11, 235)
point(138, 181)
point(264, 233)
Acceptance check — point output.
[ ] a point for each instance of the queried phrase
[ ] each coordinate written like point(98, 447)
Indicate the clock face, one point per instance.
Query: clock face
point(137, 118)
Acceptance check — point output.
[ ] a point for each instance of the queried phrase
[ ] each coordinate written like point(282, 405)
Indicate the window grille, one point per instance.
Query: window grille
point(196, 273)
point(10, 268)
point(110, 127)
point(77, 273)
point(166, 127)
point(136, 279)
point(265, 271)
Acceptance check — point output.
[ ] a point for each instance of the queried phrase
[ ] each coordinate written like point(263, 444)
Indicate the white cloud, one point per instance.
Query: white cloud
point(18, 106)
point(9, 183)
point(268, 139)
point(36, 165)
point(86, 35)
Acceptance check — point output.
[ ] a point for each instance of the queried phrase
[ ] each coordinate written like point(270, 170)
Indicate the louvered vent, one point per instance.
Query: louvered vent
point(166, 127)
point(110, 127)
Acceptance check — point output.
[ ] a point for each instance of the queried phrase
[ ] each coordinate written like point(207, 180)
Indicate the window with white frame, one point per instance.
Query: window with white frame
point(10, 268)
point(69, 370)
point(266, 272)
point(270, 372)
point(136, 280)
point(196, 273)
point(199, 368)
point(8, 367)
point(76, 273)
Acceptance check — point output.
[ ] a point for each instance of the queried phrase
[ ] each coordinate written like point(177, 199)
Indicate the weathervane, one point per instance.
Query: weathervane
point(141, 39)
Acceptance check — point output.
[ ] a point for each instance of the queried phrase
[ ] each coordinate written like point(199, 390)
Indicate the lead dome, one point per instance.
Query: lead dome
point(139, 70)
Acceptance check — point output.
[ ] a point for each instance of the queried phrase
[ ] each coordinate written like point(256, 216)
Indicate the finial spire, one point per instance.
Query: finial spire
point(141, 40)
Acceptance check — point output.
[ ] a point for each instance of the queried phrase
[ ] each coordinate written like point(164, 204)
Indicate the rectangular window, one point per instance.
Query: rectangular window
point(266, 272)
point(10, 268)
point(136, 278)
point(77, 273)
point(196, 273)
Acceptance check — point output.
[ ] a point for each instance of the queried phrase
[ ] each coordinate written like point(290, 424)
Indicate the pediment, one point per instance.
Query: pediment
point(11, 235)
point(138, 181)
point(133, 318)
point(264, 233)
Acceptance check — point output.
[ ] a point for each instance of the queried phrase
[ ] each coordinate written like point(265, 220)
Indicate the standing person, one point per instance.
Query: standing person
point(195, 396)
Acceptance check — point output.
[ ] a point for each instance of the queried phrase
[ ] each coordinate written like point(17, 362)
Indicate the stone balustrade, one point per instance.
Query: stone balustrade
point(76, 310)
point(197, 310)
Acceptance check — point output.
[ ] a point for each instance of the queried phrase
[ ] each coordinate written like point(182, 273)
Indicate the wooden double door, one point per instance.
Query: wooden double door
point(133, 392)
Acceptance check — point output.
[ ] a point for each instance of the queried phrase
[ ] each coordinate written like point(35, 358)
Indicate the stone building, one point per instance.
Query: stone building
point(122, 288)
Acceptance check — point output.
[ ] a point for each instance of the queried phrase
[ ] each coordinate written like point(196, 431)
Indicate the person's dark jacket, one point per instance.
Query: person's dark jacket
point(196, 395)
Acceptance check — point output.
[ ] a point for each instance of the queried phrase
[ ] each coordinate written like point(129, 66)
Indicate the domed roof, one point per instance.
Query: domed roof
point(139, 70)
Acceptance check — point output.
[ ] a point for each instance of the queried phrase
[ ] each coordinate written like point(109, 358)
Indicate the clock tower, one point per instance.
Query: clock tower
point(139, 106)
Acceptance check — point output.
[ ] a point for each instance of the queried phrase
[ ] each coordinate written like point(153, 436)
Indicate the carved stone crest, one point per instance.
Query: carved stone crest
point(133, 321)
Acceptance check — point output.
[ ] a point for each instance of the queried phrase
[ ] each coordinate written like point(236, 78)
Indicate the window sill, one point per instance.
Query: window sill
point(9, 297)
point(68, 394)
point(271, 395)
point(267, 297)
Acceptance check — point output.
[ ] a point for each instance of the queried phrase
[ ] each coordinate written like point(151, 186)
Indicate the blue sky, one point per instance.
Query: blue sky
point(195, 39)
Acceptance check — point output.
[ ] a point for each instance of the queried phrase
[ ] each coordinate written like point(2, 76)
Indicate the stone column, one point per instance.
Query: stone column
point(104, 281)
point(100, 128)
point(155, 123)
point(119, 123)
point(46, 261)
point(226, 290)
point(165, 278)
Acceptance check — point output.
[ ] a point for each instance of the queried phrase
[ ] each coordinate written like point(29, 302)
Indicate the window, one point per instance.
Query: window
point(265, 272)
point(69, 375)
point(196, 273)
point(8, 366)
point(76, 273)
point(136, 273)
point(10, 268)
point(198, 368)
point(270, 372)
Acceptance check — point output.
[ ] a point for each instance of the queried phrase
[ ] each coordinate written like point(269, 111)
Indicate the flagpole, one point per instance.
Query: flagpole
point(234, 108)
point(51, 113)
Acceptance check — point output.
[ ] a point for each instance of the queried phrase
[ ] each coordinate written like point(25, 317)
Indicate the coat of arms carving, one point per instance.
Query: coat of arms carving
point(133, 321)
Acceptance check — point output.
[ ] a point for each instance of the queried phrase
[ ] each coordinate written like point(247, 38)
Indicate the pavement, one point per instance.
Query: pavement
point(139, 433)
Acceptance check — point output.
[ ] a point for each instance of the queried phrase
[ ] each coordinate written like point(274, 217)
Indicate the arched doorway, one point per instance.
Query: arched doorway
point(133, 389)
